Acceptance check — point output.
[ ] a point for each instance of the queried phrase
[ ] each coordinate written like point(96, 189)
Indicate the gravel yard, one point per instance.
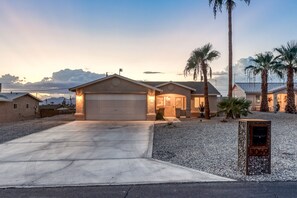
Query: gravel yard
point(211, 146)
point(13, 130)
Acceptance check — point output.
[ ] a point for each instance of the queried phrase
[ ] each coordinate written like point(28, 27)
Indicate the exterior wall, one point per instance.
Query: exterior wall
point(238, 93)
point(114, 86)
point(151, 105)
point(80, 105)
point(174, 89)
point(253, 98)
point(10, 114)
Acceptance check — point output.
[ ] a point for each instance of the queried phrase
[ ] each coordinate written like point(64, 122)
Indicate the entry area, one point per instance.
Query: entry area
point(116, 107)
point(171, 105)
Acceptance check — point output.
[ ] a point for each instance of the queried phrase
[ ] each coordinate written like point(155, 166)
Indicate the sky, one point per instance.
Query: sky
point(148, 39)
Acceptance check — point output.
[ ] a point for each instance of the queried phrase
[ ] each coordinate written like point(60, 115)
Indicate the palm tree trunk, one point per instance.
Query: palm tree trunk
point(207, 111)
point(264, 100)
point(290, 107)
point(230, 73)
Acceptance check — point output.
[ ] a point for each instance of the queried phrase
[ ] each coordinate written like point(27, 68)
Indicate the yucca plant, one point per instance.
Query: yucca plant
point(234, 107)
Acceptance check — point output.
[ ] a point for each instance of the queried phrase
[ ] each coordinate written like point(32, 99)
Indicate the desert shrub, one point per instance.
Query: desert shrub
point(235, 107)
point(159, 116)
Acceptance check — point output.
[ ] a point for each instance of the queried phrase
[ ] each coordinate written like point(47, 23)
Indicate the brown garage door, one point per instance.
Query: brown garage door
point(115, 107)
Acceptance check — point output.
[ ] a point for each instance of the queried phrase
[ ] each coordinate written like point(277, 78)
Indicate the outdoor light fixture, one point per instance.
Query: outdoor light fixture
point(151, 98)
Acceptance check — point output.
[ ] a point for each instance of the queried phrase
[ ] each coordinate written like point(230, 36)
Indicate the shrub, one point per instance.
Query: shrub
point(235, 107)
point(159, 116)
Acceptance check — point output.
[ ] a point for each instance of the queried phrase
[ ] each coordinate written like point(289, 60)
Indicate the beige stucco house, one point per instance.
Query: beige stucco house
point(18, 106)
point(119, 98)
point(252, 91)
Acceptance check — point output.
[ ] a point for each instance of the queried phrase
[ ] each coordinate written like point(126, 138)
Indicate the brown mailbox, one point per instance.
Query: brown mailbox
point(254, 146)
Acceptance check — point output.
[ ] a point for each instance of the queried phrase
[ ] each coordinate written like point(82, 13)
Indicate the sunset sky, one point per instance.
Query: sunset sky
point(40, 37)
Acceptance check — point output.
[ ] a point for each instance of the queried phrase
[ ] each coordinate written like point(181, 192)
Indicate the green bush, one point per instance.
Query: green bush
point(234, 107)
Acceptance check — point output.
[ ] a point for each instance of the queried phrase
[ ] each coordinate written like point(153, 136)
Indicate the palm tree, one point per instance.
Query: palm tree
point(230, 5)
point(288, 57)
point(199, 64)
point(264, 63)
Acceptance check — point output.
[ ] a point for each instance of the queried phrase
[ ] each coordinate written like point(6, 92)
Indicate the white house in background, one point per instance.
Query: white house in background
point(252, 92)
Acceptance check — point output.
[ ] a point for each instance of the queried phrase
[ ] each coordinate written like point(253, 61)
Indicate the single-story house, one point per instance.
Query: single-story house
point(18, 106)
point(119, 98)
point(277, 92)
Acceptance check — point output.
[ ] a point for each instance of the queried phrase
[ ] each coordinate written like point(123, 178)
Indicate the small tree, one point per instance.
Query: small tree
point(288, 57)
point(263, 63)
point(199, 63)
point(235, 107)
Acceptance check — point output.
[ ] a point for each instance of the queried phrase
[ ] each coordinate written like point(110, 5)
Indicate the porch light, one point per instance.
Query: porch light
point(151, 98)
point(78, 98)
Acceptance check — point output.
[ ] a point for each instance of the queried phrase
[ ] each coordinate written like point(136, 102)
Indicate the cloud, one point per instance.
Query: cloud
point(220, 80)
point(7, 78)
point(152, 72)
point(239, 75)
point(58, 83)
point(219, 73)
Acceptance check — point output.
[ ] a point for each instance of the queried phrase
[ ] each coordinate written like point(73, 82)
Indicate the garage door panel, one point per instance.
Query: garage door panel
point(115, 107)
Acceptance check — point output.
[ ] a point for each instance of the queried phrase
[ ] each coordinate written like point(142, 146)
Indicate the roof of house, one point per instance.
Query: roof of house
point(112, 76)
point(196, 87)
point(9, 97)
point(256, 87)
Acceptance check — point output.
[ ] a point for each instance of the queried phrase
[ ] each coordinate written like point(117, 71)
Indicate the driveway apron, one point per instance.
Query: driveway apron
point(90, 153)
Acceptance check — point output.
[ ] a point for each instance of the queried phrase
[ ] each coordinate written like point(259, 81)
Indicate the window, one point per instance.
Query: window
point(198, 101)
point(179, 102)
point(15, 106)
point(167, 101)
point(27, 106)
point(160, 102)
point(258, 98)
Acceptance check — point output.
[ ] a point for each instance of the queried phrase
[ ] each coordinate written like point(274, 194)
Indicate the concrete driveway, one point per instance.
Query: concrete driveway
point(90, 153)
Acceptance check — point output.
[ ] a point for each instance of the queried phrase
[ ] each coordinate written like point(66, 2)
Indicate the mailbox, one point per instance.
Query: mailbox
point(254, 146)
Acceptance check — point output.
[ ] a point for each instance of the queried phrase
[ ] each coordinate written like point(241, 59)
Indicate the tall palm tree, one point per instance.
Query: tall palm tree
point(263, 64)
point(288, 57)
point(230, 5)
point(199, 64)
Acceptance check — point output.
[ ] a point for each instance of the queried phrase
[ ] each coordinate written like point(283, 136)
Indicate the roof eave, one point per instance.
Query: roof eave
point(73, 89)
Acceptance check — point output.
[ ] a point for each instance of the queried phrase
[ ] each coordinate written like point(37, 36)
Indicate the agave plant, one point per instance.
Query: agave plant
point(235, 107)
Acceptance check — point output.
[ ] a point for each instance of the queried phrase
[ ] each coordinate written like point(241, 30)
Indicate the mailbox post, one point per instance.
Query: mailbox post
point(254, 146)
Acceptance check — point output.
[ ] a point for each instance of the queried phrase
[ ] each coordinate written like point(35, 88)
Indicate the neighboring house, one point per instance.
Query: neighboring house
point(252, 92)
point(119, 98)
point(18, 106)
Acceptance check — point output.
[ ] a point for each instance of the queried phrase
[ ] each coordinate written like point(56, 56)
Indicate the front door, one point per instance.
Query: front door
point(169, 106)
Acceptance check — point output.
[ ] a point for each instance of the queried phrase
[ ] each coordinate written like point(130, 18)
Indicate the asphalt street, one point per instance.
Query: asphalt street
point(220, 189)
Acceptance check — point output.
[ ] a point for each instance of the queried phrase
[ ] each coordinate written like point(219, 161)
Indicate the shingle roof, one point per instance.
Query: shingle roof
point(256, 87)
point(198, 86)
point(9, 97)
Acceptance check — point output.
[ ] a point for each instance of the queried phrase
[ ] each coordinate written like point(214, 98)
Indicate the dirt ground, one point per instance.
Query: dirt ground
point(13, 130)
